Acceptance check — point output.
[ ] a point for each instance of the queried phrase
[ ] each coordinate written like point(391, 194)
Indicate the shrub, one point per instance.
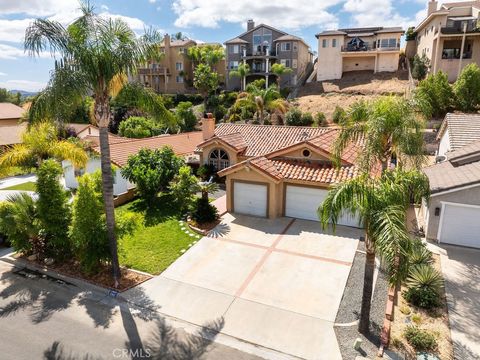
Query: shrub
point(53, 210)
point(423, 286)
point(293, 117)
point(204, 212)
point(186, 116)
point(410, 34)
point(138, 127)
point(183, 186)
point(307, 119)
point(434, 95)
point(420, 67)
point(421, 340)
point(424, 298)
point(417, 319)
point(206, 171)
point(219, 112)
point(339, 115)
point(152, 170)
point(405, 310)
point(467, 88)
point(321, 119)
point(419, 254)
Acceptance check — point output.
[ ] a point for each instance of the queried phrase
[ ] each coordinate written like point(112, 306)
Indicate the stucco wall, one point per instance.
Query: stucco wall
point(469, 196)
point(210, 147)
point(444, 145)
point(329, 58)
point(388, 62)
point(358, 63)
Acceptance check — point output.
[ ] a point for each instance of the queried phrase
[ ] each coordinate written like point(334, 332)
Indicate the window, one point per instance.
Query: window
point(180, 79)
point(334, 42)
point(295, 46)
point(233, 49)
point(306, 153)
point(179, 66)
point(233, 65)
point(324, 43)
point(285, 46)
point(294, 63)
point(285, 62)
point(219, 159)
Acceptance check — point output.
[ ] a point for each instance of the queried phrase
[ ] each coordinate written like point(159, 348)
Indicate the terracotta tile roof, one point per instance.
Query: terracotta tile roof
point(122, 148)
point(236, 140)
point(326, 141)
point(10, 111)
point(264, 139)
point(112, 139)
point(11, 134)
point(77, 127)
point(462, 129)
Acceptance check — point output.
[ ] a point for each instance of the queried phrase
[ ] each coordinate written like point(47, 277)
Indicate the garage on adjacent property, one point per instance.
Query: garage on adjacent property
point(250, 198)
point(460, 225)
point(302, 202)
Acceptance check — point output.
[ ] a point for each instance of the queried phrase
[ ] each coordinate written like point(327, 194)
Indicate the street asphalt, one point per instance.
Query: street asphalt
point(44, 318)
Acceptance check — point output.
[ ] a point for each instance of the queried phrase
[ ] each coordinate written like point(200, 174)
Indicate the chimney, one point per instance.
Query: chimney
point(166, 40)
point(208, 126)
point(432, 6)
point(250, 24)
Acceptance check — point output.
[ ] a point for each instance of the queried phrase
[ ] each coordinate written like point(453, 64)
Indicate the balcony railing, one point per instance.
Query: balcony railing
point(259, 53)
point(457, 27)
point(153, 71)
point(347, 48)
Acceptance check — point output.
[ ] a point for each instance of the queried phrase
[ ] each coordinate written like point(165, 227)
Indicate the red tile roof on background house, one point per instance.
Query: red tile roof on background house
point(121, 148)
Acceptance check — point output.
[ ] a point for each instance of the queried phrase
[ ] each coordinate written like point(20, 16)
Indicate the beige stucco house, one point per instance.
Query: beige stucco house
point(273, 171)
point(11, 128)
point(376, 49)
point(449, 36)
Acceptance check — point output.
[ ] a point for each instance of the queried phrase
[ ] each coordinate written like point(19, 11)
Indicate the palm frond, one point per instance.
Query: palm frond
point(66, 150)
point(18, 155)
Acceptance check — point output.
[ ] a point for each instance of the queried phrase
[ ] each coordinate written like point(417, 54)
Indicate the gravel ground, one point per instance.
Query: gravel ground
point(349, 311)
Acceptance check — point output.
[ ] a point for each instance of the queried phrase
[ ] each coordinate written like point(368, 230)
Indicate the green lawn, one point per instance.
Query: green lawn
point(158, 242)
point(28, 186)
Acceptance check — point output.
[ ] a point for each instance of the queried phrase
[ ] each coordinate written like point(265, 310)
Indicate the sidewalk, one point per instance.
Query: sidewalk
point(16, 180)
point(221, 205)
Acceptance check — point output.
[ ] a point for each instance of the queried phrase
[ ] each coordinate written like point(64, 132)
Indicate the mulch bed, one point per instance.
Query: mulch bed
point(204, 227)
point(103, 278)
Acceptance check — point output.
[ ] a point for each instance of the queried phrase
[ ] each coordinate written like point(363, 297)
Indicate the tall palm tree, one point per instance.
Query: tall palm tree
point(381, 205)
point(242, 71)
point(389, 127)
point(279, 70)
point(268, 99)
point(40, 142)
point(94, 56)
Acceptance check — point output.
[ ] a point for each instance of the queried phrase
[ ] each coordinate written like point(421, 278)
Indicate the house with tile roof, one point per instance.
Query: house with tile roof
point(457, 130)
point(11, 128)
point(375, 49)
point(453, 211)
point(273, 171)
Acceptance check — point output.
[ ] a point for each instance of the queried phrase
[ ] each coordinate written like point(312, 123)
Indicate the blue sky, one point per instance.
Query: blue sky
point(204, 20)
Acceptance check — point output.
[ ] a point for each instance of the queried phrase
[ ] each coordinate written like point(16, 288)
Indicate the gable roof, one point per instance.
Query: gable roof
point(264, 139)
point(10, 111)
point(445, 176)
point(366, 31)
point(236, 40)
point(256, 28)
point(121, 148)
point(462, 129)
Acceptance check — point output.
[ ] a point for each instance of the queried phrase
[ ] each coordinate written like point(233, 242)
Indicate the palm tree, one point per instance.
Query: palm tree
point(279, 69)
point(388, 127)
point(206, 188)
point(40, 142)
point(381, 205)
point(242, 71)
point(94, 57)
point(268, 99)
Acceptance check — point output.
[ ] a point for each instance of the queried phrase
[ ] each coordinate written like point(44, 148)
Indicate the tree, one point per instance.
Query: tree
point(53, 210)
point(434, 96)
point(208, 54)
point(95, 56)
point(205, 80)
point(242, 71)
point(183, 187)
point(7, 96)
point(279, 70)
point(206, 188)
point(185, 116)
point(467, 88)
point(381, 204)
point(389, 128)
point(152, 170)
point(41, 142)
point(420, 67)
point(265, 100)
point(138, 127)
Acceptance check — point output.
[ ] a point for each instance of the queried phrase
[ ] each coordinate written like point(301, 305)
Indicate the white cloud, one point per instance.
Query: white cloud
point(26, 85)
point(3, 74)
point(13, 30)
point(37, 7)
point(288, 14)
point(8, 52)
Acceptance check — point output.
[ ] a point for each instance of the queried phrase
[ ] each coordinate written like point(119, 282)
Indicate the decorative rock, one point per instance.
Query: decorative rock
point(49, 261)
point(32, 257)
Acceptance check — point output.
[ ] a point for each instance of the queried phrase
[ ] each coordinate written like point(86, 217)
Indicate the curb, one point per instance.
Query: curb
point(387, 321)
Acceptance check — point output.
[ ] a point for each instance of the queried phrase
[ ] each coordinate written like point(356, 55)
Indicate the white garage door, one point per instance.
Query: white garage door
point(460, 225)
point(250, 199)
point(303, 202)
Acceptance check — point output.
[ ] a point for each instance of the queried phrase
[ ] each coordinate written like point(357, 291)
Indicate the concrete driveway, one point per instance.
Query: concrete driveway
point(461, 269)
point(276, 283)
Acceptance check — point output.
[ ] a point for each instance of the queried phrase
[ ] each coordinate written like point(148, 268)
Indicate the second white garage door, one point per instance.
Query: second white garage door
point(460, 225)
point(303, 202)
point(250, 199)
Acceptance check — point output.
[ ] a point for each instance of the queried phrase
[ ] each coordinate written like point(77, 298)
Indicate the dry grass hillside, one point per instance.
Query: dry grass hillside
point(325, 96)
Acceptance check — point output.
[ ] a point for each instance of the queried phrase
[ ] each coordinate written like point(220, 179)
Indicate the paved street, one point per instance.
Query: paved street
point(16, 180)
point(42, 318)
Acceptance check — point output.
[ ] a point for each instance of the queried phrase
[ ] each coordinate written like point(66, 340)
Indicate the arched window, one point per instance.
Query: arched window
point(219, 159)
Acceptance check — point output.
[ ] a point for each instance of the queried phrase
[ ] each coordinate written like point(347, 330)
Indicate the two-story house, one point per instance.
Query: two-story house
point(173, 74)
point(375, 49)
point(450, 36)
point(260, 47)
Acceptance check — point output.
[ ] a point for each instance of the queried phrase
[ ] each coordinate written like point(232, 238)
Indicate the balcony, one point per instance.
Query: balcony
point(367, 48)
point(259, 54)
point(457, 27)
point(154, 71)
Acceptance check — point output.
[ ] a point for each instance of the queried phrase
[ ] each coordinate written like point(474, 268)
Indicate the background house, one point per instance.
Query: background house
point(260, 47)
point(449, 36)
point(10, 127)
point(375, 49)
point(457, 130)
